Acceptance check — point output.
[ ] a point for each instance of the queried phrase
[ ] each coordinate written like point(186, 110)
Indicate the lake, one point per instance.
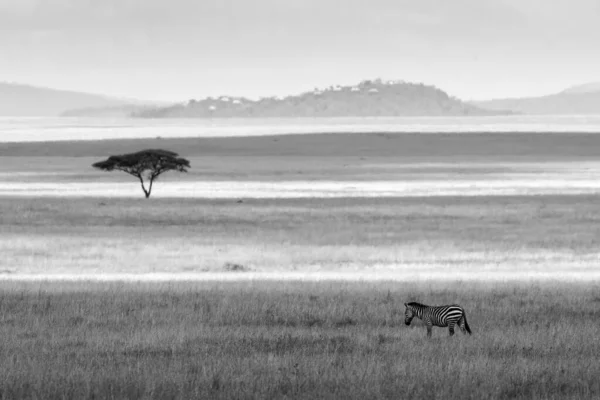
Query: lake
point(16, 129)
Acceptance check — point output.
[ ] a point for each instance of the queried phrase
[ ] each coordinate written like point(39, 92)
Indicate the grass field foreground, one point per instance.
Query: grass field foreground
point(299, 340)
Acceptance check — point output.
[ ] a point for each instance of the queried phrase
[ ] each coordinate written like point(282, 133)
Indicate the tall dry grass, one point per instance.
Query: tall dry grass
point(296, 340)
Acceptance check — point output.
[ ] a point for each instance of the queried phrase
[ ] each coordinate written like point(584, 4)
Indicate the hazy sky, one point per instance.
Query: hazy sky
point(182, 49)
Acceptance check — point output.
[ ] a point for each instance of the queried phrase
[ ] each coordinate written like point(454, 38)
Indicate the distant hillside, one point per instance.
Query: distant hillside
point(28, 101)
point(585, 88)
point(581, 99)
point(369, 98)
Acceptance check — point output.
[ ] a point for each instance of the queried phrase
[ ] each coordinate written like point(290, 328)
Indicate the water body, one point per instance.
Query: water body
point(53, 129)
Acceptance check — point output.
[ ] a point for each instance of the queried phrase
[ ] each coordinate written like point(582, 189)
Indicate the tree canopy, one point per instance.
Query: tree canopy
point(148, 164)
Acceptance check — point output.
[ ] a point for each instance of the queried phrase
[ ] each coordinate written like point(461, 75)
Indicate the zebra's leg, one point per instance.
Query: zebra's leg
point(461, 325)
point(429, 328)
point(451, 327)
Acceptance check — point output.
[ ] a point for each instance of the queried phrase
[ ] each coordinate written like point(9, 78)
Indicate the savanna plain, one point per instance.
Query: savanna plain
point(524, 266)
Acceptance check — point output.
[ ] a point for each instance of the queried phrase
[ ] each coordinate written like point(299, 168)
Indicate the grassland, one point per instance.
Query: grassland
point(533, 338)
point(465, 236)
point(296, 340)
point(451, 234)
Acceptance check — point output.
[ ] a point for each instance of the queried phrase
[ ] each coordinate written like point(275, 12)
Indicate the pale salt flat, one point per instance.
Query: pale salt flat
point(520, 275)
point(299, 189)
point(14, 129)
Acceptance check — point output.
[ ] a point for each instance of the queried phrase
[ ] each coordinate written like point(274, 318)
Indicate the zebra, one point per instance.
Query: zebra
point(442, 316)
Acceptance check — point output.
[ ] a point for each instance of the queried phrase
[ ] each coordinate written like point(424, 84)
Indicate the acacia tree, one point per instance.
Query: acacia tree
point(148, 164)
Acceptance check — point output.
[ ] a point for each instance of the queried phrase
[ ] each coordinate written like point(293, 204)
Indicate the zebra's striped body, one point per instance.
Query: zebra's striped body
point(442, 316)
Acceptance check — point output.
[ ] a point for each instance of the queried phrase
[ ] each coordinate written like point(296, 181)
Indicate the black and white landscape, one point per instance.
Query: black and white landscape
point(246, 199)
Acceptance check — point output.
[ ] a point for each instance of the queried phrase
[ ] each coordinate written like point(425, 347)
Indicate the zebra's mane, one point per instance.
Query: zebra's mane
point(415, 304)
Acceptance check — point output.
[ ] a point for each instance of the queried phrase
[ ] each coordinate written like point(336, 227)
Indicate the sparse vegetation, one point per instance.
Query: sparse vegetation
point(235, 267)
point(484, 234)
point(146, 163)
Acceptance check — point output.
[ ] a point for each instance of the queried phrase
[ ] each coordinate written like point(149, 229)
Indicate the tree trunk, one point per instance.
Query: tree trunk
point(146, 192)
point(150, 187)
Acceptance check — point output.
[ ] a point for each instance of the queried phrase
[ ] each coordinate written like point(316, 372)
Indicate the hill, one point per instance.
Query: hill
point(585, 88)
point(17, 100)
point(581, 99)
point(367, 99)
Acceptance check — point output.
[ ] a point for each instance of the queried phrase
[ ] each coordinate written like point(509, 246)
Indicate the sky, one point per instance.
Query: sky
point(175, 50)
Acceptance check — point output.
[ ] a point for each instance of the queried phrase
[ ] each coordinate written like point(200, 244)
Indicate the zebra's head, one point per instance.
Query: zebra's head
point(409, 314)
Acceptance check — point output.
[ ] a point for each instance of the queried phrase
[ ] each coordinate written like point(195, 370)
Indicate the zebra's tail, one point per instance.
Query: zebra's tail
point(466, 323)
